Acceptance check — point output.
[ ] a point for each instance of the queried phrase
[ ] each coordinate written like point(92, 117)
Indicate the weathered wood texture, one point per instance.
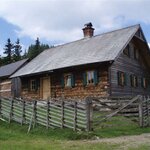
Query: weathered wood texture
point(5, 87)
point(130, 66)
point(137, 107)
point(58, 114)
point(144, 112)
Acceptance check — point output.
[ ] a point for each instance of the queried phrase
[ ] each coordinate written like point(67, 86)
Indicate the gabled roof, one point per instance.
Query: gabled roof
point(100, 48)
point(8, 70)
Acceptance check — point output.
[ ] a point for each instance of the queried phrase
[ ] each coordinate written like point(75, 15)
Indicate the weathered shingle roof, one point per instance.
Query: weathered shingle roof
point(8, 70)
point(100, 48)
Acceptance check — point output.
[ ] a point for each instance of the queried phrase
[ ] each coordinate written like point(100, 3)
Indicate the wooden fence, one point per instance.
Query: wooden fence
point(144, 111)
point(58, 114)
point(137, 107)
point(74, 114)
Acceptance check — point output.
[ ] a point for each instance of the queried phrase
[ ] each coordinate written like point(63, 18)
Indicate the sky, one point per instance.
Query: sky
point(61, 21)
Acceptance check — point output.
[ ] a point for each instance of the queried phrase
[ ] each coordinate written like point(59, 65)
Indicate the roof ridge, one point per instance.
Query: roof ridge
point(95, 36)
point(118, 30)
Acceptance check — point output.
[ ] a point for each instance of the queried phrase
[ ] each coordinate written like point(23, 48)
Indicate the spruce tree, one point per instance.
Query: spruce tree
point(17, 50)
point(8, 50)
point(36, 49)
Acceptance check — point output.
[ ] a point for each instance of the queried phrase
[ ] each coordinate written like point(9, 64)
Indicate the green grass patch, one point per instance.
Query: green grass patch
point(14, 136)
point(119, 126)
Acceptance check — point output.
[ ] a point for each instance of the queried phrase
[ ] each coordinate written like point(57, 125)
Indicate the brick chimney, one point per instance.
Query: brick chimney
point(88, 31)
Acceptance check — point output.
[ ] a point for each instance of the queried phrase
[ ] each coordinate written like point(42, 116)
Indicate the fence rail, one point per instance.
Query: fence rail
point(51, 114)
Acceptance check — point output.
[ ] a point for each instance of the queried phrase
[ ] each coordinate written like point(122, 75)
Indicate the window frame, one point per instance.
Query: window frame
point(31, 85)
point(95, 79)
point(136, 53)
point(134, 81)
point(122, 78)
point(127, 50)
point(65, 76)
point(144, 82)
point(87, 80)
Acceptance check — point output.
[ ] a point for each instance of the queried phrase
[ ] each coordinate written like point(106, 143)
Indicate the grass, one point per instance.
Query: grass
point(15, 137)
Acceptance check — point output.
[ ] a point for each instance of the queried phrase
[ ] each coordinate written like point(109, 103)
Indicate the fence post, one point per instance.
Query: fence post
point(89, 114)
point(62, 114)
point(148, 109)
point(11, 110)
point(141, 111)
point(48, 103)
point(0, 107)
point(23, 112)
point(34, 112)
point(75, 115)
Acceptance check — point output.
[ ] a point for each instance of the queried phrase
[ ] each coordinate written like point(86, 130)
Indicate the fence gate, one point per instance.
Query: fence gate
point(144, 111)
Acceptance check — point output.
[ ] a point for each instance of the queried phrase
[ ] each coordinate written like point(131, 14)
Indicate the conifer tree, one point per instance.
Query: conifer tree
point(8, 50)
point(17, 50)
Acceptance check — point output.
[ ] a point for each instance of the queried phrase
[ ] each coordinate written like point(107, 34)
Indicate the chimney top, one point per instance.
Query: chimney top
point(88, 24)
point(88, 31)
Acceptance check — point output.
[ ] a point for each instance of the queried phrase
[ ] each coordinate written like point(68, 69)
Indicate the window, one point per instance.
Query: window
point(90, 77)
point(144, 82)
point(127, 51)
point(136, 54)
point(121, 78)
point(68, 80)
point(134, 81)
point(33, 85)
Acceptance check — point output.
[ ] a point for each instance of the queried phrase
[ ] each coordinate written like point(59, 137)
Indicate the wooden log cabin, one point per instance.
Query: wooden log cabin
point(10, 87)
point(115, 63)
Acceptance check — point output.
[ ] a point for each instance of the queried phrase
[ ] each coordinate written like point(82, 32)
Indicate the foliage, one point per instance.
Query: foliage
point(8, 50)
point(35, 49)
point(13, 51)
point(17, 51)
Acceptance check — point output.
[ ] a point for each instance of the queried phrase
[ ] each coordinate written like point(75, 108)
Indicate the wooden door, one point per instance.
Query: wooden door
point(46, 88)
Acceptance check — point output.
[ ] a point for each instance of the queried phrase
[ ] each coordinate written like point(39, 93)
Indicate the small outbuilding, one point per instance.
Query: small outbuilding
point(10, 87)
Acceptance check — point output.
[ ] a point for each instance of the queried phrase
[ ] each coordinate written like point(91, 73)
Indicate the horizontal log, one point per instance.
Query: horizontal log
point(42, 120)
point(81, 122)
point(68, 118)
point(81, 114)
point(42, 117)
point(55, 125)
point(5, 107)
point(43, 124)
point(55, 114)
point(81, 126)
point(68, 107)
point(5, 104)
point(68, 126)
point(54, 121)
point(81, 111)
point(55, 117)
point(81, 118)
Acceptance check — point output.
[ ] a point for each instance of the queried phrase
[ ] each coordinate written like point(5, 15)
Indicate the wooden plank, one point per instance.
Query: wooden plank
point(34, 112)
point(62, 114)
point(75, 116)
point(11, 111)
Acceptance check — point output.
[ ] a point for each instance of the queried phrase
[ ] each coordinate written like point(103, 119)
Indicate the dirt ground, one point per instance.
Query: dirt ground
point(126, 142)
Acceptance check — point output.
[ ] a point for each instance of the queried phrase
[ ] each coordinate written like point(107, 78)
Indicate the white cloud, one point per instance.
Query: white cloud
point(62, 20)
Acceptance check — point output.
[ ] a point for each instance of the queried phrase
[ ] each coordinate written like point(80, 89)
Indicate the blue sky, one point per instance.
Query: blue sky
point(61, 21)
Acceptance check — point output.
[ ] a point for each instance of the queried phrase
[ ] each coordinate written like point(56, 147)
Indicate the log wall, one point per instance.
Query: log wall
point(129, 66)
